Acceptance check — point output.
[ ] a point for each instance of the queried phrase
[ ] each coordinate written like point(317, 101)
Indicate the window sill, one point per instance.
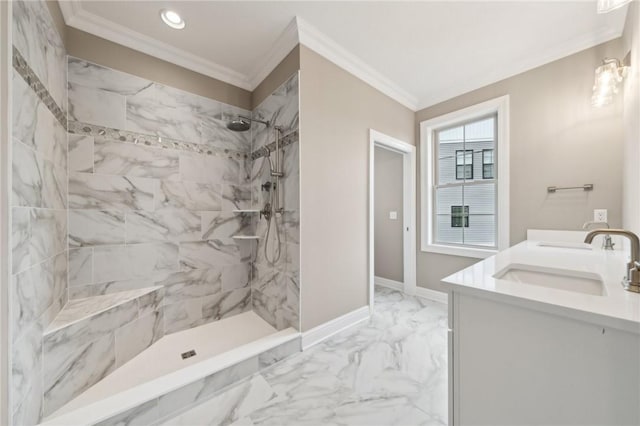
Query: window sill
point(459, 251)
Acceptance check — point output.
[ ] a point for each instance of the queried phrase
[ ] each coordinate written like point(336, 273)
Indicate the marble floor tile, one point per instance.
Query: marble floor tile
point(389, 371)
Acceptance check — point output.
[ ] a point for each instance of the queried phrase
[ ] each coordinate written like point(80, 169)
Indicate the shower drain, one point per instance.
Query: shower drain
point(188, 354)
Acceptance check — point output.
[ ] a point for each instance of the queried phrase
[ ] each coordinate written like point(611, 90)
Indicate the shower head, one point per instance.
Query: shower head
point(242, 123)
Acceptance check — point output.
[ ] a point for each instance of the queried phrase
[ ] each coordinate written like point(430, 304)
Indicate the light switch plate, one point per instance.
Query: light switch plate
point(393, 215)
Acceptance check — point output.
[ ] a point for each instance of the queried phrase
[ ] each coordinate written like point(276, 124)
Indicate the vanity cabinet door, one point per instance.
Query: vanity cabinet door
point(512, 365)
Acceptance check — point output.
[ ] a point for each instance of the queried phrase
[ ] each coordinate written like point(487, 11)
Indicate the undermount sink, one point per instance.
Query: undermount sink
point(560, 279)
point(580, 246)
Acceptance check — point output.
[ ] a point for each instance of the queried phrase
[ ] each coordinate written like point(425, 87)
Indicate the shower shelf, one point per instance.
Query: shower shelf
point(246, 211)
point(245, 237)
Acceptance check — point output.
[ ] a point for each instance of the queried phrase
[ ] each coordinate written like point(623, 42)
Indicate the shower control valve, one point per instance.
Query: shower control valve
point(268, 186)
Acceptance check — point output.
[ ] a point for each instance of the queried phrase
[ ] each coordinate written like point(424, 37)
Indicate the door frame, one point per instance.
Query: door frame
point(408, 152)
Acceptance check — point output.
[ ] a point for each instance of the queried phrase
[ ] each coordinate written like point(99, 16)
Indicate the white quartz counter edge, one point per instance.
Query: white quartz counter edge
point(618, 308)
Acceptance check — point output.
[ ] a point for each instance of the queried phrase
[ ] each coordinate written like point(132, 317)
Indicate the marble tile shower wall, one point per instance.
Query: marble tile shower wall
point(275, 285)
point(142, 215)
point(38, 288)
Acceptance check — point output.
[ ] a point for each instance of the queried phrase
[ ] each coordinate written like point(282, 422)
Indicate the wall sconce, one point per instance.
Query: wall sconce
point(608, 76)
point(606, 6)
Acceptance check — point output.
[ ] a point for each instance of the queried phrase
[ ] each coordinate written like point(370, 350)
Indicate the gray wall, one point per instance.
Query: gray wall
point(631, 199)
point(557, 138)
point(388, 242)
point(336, 112)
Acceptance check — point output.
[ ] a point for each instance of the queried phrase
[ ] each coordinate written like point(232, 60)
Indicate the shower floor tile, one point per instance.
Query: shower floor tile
point(165, 356)
point(391, 370)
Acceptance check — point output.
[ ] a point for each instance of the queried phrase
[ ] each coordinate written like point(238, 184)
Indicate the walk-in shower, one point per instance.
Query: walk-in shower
point(273, 204)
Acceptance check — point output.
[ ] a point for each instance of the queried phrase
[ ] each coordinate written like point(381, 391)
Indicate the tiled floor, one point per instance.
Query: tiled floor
point(390, 371)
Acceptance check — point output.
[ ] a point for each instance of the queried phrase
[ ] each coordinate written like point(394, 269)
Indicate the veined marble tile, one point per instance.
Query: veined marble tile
point(145, 114)
point(152, 259)
point(227, 407)
point(196, 283)
point(81, 153)
point(165, 224)
point(279, 353)
point(89, 290)
point(125, 159)
point(37, 39)
point(48, 233)
point(170, 97)
point(280, 108)
point(190, 196)
point(95, 76)
point(27, 186)
point(226, 303)
point(89, 191)
point(151, 302)
point(26, 365)
point(291, 226)
point(54, 189)
point(236, 276)
point(71, 335)
point(95, 106)
point(212, 253)
point(215, 133)
point(204, 388)
point(183, 315)
point(111, 263)
point(219, 225)
point(66, 374)
point(236, 197)
point(96, 227)
point(133, 338)
point(35, 126)
point(20, 238)
point(210, 169)
point(80, 267)
point(143, 415)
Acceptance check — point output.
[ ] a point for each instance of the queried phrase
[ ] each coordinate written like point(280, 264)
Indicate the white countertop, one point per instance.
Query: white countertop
point(618, 308)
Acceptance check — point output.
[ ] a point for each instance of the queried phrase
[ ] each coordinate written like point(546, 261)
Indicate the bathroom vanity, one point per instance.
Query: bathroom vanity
point(544, 334)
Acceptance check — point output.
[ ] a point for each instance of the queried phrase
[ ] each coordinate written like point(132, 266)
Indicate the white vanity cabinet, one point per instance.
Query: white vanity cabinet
point(518, 359)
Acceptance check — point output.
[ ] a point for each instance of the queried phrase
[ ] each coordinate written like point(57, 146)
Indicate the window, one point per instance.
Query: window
point(487, 164)
point(464, 164)
point(459, 217)
point(465, 181)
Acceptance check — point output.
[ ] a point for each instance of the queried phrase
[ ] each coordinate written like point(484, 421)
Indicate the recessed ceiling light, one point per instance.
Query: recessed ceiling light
point(172, 19)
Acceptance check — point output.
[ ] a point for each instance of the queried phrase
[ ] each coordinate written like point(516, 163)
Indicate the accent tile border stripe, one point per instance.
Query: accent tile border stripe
point(30, 77)
point(287, 139)
point(76, 127)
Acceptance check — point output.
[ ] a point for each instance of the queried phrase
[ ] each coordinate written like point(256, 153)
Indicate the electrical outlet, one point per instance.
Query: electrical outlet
point(600, 215)
point(393, 215)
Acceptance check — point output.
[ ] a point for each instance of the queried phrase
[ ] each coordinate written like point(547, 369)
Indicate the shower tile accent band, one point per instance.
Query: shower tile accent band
point(287, 139)
point(135, 138)
point(22, 67)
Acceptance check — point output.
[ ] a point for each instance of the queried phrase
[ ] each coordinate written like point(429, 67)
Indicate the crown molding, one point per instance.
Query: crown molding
point(331, 50)
point(77, 17)
point(529, 62)
point(280, 49)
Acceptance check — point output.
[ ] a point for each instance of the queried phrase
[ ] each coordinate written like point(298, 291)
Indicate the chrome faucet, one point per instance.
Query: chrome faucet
point(632, 281)
point(607, 243)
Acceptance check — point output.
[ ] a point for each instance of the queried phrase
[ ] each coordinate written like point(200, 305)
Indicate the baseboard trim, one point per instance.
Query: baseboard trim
point(385, 282)
point(436, 296)
point(329, 328)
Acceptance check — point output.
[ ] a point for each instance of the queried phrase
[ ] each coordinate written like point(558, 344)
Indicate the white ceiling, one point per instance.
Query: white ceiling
point(420, 53)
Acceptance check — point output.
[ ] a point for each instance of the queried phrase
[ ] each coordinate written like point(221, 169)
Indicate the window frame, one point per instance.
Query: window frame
point(492, 164)
point(464, 215)
point(464, 164)
point(428, 155)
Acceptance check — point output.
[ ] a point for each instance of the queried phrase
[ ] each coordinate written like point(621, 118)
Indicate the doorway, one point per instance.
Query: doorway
point(392, 214)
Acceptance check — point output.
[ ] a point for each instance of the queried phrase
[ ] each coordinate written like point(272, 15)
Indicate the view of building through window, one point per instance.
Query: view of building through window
point(465, 192)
